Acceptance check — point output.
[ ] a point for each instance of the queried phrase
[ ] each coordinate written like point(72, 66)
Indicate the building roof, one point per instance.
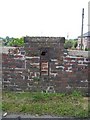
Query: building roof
point(86, 34)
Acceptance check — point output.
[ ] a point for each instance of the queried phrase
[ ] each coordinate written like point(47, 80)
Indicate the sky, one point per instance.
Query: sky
point(58, 18)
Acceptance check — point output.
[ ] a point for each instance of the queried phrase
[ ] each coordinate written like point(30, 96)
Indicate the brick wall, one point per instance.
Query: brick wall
point(45, 67)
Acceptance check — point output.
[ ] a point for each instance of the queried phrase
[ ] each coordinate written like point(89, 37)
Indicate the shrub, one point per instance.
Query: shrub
point(68, 45)
point(86, 49)
point(75, 44)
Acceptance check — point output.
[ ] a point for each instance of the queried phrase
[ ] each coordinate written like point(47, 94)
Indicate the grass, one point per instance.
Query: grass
point(73, 105)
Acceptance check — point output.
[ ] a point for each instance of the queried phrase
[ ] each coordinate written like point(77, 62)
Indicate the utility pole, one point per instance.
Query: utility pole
point(82, 29)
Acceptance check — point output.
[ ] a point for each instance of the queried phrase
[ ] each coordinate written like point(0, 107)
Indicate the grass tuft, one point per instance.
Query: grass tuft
point(58, 104)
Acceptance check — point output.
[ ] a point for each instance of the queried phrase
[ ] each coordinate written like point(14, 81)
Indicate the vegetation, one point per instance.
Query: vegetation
point(15, 42)
point(87, 49)
point(57, 104)
point(70, 44)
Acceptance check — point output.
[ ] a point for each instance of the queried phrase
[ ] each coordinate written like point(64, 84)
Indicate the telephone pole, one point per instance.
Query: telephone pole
point(82, 29)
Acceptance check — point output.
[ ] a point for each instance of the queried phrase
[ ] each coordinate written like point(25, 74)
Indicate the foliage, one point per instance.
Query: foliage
point(70, 44)
point(17, 42)
point(75, 44)
point(87, 49)
point(6, 40)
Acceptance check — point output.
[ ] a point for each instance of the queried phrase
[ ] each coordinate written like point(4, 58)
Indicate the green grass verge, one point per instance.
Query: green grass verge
point(73, 105)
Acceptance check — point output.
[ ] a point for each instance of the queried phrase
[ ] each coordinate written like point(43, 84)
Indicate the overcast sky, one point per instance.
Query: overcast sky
point(42, 17)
